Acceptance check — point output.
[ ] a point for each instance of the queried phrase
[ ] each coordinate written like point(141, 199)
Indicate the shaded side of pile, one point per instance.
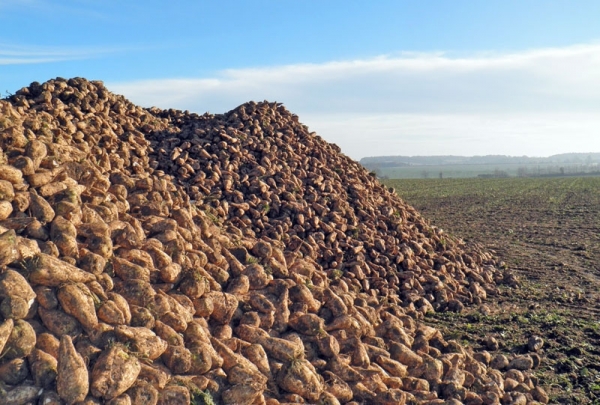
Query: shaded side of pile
point(261, 171)
point(162, 257)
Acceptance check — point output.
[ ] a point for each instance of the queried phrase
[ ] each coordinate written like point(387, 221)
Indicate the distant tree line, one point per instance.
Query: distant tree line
point(565, 170)
point(402, 161)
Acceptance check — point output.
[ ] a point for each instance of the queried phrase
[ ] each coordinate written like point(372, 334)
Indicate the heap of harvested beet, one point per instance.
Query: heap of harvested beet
point(153, 256)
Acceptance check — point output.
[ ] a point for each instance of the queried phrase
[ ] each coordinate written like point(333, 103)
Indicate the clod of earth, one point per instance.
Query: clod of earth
point(159, 256)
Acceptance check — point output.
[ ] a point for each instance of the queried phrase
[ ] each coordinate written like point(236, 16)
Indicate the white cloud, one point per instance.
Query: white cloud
point(533, 134)
point(414, 103)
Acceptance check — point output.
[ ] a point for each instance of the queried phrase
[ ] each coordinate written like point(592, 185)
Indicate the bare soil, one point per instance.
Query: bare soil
point(547, 231)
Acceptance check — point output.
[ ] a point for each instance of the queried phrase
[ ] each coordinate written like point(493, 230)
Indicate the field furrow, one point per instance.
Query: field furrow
point(547, 231)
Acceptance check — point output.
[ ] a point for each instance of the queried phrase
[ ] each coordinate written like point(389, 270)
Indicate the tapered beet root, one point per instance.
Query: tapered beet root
point(59, 323)
point(143, 393)
point(41, 209)
point(6, 328)
point(44, 368)
point(8, 245)
point(72, 377)
point(77, 301)
point(242, 394)
point(114, 372)
point(20, 342)
point(13, 284)
point(10, 174)
point(141, 341)
point(14, 307)
point(301, 378)
point(48, 343)
point(50, 271)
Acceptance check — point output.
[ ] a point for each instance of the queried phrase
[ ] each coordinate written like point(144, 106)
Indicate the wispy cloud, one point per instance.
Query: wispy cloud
point(399, 98)
point(11, 54)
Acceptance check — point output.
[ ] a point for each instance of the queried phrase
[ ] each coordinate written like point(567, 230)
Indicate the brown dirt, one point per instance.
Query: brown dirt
point(547, 232)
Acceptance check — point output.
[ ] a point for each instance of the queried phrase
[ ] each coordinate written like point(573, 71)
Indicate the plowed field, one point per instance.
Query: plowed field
point(548, 232)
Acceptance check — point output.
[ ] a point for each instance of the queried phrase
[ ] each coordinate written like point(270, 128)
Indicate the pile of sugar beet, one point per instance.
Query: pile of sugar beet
point(161, 257)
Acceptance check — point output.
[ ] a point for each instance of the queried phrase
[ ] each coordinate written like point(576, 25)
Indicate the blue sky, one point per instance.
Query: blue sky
point(376, 77)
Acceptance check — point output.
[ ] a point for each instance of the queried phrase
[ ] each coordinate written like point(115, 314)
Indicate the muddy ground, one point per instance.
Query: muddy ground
point(548, 232)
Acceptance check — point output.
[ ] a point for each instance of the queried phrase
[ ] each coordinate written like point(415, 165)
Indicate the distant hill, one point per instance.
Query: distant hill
point(402, 161)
